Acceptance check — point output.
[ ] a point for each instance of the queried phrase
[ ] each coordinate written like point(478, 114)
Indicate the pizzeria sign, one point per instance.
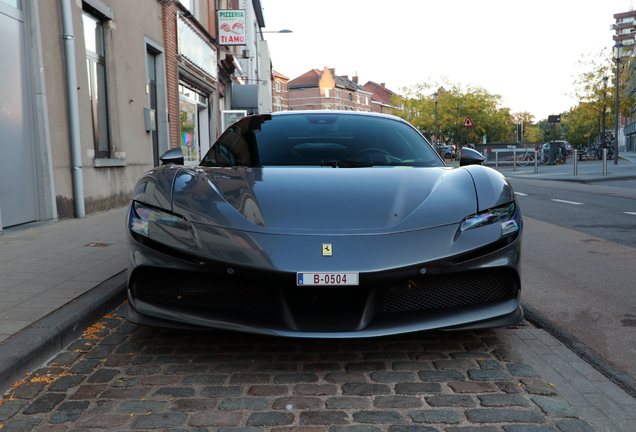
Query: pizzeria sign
point(231, 29)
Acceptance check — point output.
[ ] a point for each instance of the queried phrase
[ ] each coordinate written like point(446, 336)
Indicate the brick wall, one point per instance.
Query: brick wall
point(314, 98)
point(172, 75)
point(282, 94)
point(304, 99)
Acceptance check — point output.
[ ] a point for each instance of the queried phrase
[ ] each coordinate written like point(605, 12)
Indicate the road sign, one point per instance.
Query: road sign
point(468, 122)
point(554, 119)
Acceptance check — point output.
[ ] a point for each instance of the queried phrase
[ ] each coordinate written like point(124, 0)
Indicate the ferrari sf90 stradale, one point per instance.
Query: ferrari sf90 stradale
point(324, 224)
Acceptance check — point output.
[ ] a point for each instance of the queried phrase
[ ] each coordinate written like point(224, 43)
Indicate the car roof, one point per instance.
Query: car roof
point(337, 112)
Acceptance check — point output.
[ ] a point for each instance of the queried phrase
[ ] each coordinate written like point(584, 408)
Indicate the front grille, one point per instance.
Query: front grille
point(447, 291)
point(212, 291)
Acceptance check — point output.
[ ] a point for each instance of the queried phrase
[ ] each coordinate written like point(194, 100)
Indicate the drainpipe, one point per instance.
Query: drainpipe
point(73, 109)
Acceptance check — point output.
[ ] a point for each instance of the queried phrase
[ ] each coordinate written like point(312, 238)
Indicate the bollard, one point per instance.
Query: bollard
point(514, 160)
point(536, 161)
point(576, 162)
point(604, 161)
point(497, 160)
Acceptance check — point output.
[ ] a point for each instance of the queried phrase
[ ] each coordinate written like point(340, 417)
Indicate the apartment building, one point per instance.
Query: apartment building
point(75, 112)
point(316, 90)
point(280, 97)
point(94, 91)
point(382, 99)
point(625, 32)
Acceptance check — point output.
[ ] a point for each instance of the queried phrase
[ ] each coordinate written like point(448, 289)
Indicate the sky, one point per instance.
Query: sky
point(525, 51)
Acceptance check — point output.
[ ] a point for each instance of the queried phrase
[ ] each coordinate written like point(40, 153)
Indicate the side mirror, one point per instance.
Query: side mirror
point(174, 156)
point(471, 157)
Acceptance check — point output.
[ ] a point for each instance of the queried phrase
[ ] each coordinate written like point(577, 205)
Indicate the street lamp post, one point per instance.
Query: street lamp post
point(617, 52)
point(604, 108)
point(436, 96)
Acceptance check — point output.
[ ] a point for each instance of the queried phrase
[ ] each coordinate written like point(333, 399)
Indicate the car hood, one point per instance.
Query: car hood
point(324, 200)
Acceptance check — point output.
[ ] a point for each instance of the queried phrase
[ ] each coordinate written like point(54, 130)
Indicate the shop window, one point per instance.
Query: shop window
point(193, 106)
point(97, 83)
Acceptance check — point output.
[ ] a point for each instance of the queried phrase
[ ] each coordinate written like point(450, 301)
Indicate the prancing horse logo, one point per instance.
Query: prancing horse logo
point(327, 250)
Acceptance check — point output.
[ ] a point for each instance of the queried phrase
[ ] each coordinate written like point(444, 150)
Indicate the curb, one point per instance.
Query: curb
point(611, 372)
point(597, 179)
point(32, 347)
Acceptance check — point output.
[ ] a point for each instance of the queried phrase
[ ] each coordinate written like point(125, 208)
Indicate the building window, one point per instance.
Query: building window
point(13, 3)
point(338, 94)
point(192, 111)
point(279, 104)
point(96, 66)
point(192, 6)
point(327, 93)
point(278, 86)
point(351, 97)
point(358, 98)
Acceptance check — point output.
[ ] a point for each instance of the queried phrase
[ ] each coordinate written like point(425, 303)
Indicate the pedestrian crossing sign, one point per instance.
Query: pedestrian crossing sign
point(468, 122)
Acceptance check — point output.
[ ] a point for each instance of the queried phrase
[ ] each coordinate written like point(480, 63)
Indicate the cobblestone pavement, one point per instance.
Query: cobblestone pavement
point(119, 376)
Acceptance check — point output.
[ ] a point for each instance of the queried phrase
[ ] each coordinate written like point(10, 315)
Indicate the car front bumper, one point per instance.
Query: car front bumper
point(475, 287)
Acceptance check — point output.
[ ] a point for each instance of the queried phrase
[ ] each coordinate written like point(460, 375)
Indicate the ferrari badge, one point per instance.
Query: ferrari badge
point(327, 250)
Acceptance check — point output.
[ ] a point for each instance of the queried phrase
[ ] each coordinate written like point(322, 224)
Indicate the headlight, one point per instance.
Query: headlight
point(507, 215)
point(141, 215)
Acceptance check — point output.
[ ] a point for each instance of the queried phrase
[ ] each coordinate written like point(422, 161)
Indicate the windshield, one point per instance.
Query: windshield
point(321, 139)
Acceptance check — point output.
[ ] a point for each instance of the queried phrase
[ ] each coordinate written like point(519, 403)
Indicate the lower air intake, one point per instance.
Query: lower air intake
point(447, 291)
point(207, 291)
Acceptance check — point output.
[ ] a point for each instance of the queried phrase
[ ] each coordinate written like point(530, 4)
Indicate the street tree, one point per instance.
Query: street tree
point(594, 89)
point(522, 120)
point(455, 103)
point(580, 127)
point(533, 134)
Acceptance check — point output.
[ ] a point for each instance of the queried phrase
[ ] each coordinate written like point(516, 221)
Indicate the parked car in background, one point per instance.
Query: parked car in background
point(446, 151)
point(449, 152)
point(567, 145)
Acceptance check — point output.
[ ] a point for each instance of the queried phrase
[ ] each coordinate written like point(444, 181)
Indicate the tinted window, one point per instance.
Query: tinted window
point(320, 139)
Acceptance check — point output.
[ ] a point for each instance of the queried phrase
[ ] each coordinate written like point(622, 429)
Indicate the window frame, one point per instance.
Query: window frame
point(99, 111)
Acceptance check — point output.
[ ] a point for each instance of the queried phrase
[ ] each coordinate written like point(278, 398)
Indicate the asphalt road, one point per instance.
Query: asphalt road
point(579, 253)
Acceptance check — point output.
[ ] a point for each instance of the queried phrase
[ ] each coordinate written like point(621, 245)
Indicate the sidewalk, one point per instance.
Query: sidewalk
point(588, 171)
point(57, 279)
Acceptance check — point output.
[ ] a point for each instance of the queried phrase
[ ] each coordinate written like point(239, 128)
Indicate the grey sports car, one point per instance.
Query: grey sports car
point(324, 224)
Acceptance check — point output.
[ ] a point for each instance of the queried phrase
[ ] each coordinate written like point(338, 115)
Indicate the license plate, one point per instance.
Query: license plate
point(327, 279)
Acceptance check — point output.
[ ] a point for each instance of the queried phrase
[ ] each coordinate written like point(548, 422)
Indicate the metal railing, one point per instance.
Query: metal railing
point(504, 154)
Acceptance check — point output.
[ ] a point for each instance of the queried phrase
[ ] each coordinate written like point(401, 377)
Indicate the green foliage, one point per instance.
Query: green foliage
point(455, 104)
point(522, 120)
point(597, 97)
point(533, 134)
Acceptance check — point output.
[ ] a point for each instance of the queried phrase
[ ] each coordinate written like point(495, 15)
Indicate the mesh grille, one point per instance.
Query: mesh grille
point(446, 291)
point(208, 291)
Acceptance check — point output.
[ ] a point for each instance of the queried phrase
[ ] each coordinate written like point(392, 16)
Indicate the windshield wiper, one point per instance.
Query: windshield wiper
point(346, 164)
